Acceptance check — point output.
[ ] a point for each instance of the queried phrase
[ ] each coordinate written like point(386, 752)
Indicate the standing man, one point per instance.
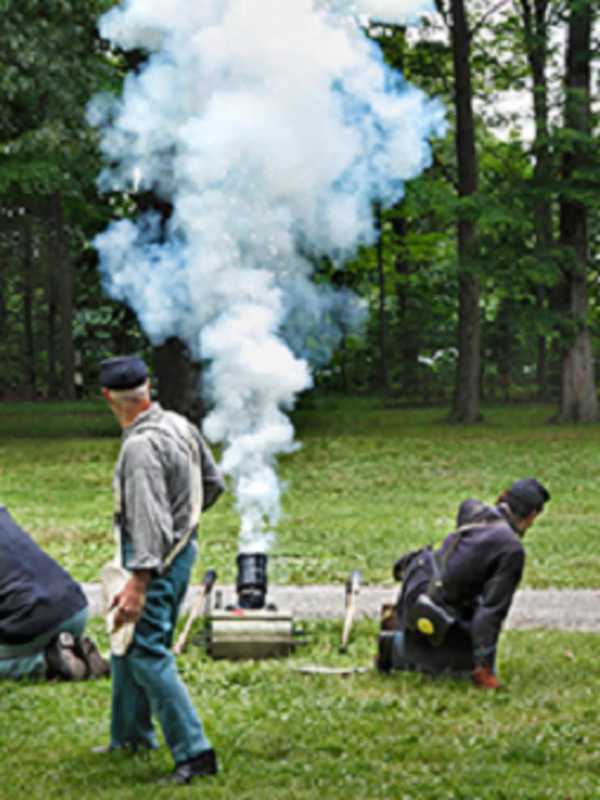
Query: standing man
point(454, 600)
point(164, 475)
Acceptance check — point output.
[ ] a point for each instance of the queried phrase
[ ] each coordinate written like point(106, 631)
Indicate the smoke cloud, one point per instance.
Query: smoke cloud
point(271, 128)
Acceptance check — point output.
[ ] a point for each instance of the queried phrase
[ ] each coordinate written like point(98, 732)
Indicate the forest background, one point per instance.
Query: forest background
point(483, 285)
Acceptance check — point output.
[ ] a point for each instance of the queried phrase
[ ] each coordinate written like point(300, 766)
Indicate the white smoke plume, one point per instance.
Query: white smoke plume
point(271, 127)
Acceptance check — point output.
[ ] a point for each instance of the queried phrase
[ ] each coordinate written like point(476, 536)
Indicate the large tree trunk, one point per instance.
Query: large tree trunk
point(535, 24)
point(578, 400)
point(467, 394)
point(179, 380)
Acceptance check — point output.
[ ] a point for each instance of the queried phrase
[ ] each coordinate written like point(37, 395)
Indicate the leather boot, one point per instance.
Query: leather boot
point(200, 766)
point(62, 661)
point(97, 665)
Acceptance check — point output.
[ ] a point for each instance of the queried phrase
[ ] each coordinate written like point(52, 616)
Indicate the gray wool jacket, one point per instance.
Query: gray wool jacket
point(152, 485)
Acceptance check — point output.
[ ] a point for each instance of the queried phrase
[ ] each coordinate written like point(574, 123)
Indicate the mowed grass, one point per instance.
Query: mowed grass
point(283, 735)
point(369, 482)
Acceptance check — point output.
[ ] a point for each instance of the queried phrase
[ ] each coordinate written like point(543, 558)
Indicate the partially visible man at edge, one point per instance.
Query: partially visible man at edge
point(153, 486)
point(43, 614)
point(481, 565)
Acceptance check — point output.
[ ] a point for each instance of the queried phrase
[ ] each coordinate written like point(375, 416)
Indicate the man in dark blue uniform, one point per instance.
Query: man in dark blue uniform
point(454, 600)
point(43, 613)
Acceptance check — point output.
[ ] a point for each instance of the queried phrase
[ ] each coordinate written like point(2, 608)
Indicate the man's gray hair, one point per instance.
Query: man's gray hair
point(133, 396)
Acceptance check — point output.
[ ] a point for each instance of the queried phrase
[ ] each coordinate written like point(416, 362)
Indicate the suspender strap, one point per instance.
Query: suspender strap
point(440, 562)
point(196, 491)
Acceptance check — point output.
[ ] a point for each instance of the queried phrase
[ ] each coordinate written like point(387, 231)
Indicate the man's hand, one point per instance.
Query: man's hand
point(484, 678)
point(129, 602)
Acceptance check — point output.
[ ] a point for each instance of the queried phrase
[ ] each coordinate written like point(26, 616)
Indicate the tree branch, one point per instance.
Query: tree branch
point(526, 15)
point(443, 11)
point(447, 173)
point(486, 16)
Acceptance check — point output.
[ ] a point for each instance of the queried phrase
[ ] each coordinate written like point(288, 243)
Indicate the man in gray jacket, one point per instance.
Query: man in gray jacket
point(164, 474)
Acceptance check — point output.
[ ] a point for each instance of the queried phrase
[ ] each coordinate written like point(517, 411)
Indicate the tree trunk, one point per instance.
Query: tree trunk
point(578, 401)
point(123, 322)
point(502, 341)
point(535, 24)
point(179, 380)
point(65, 299)
point(52, 271)
point(3, 311)
point(541, 360)
point(406, 332)
point(467, 394)
point(343, 354)
point(408, 322)
point(384, 373)
point(28, 291)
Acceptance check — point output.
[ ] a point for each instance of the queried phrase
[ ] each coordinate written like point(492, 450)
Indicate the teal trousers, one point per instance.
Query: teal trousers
point(27, 660)
point(145, 682)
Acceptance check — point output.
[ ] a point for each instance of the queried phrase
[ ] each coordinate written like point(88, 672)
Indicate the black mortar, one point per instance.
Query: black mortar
point(251, 582)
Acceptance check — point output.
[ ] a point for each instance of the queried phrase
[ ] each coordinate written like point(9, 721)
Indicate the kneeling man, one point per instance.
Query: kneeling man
point(454, 600)
point(43, 613)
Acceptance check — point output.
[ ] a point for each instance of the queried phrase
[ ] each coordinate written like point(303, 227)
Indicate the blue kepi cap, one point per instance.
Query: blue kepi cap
point(527, 495)
point(123, 372)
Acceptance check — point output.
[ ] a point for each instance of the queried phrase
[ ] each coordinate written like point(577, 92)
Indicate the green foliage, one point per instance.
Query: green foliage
point(51, 64)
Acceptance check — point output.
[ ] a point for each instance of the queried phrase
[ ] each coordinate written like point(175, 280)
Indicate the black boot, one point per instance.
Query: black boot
point(97, 665)
point(62, 660)
point(384, 657)
point(200, 766)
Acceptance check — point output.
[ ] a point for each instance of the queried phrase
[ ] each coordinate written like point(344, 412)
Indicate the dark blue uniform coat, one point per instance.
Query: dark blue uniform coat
point(36, 594)
point(482, 572)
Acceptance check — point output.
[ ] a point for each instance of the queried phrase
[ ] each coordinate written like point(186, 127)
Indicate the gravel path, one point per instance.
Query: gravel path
point(570, 610)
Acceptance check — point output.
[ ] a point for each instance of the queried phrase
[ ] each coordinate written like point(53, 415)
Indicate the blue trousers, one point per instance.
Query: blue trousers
point(27, 660)
point(145, 682)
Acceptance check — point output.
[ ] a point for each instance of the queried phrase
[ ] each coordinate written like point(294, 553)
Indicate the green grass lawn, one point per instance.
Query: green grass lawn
point(284, 735)
point(369, 482)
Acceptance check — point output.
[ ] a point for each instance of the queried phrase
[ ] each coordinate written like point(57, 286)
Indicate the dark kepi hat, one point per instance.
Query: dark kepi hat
point(123, 372)
point(527, 495)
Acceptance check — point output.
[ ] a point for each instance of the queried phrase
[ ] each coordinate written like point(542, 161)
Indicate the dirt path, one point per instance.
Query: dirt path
point(576, 610)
